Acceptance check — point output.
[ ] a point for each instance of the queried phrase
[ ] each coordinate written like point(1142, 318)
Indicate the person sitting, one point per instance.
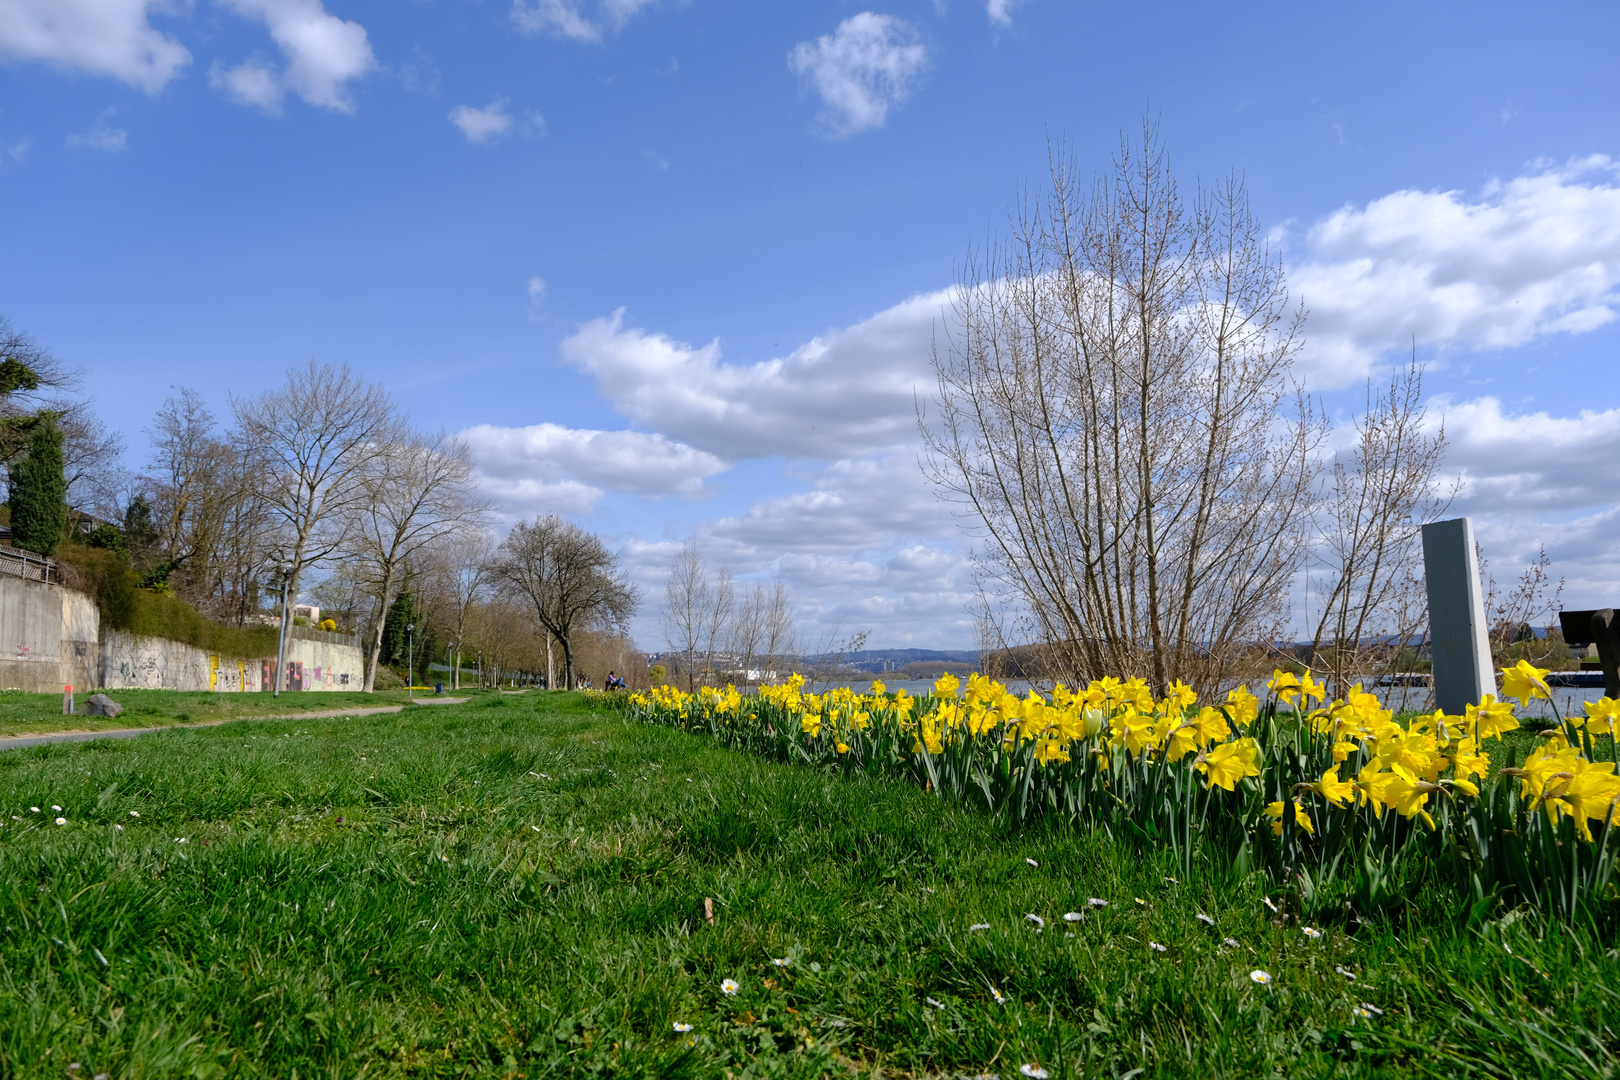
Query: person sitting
point(614, 682)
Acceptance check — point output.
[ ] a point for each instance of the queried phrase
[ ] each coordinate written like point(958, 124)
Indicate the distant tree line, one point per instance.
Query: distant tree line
point(319, 488)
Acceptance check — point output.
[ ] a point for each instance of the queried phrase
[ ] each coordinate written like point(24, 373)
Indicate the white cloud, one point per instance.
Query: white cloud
point(845, 393)
point(324, 54)
point(566, 19)
point(537, 297)
point(632, 462)
point(101, 37)
point(249, 83)
point(101, 136)
point(1531, 461)
point(867, 65)
point(482, 125)
point(1534, 256)
point(1000, 11)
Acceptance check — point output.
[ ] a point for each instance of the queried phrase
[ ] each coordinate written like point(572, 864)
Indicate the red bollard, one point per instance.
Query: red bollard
point(67, 701)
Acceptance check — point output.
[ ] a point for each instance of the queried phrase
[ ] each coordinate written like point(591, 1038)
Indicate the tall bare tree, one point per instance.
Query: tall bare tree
point(1378, 496)
point(317, 436)
point(568, 577)
point(1116, 417)
point(418, 490)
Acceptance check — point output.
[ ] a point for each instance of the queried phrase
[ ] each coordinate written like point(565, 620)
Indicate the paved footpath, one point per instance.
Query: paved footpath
point(17, 742)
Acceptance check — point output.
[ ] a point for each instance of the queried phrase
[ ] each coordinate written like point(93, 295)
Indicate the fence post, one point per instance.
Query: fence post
point(1463, 673)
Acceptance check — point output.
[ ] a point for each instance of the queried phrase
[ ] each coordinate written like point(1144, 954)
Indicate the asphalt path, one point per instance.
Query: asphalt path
point(18, 742)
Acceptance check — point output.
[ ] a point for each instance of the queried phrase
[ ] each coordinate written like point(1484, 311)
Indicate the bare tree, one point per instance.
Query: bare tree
point(1378, 496)
point(194, 484)
point(689, 602)
point(417, 491)
point(1116, 417)
point(317, 436)
point(568, 577)
point(780, 639)
point(1513, 614)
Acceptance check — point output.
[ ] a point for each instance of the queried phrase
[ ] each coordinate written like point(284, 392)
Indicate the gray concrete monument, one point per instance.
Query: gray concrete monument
point(1457, 632)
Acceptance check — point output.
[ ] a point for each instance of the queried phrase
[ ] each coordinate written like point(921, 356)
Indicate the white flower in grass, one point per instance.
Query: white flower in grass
point(1034, 1070)
point(1337, 970)
point(61, 821)
point(1269, 904)
point(980, 926)
point(1312, 932)
point(1000, 1000)
point(682, 1028)
point(783, 962)
point(1140, 901)
point(1072, 916)
point(134, 813)
point(1363, 1013)
point(1261, 977)
point(1040, 923)
point(729, 987)
point(1172, 881)
point(1092, 901)
point(56, 808)
point(1231, 943)
point(34, 809)
point(1375, 1010)
point(120, 828)
point(179, 839)
point(936, 1004)
point(1033, 863)
point(1156, 947)
point(1205, 919)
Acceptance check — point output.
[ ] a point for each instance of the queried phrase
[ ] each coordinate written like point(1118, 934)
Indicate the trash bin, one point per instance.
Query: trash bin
point(438, 688)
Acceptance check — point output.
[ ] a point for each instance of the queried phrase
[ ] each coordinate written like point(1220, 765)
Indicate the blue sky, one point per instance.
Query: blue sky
point(456, 197)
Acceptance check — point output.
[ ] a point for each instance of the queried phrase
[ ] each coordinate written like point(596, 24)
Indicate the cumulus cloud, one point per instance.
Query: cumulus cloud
point(632, 462)
point(101, 136)
point(99, 37)
point(323, 52)
point(1530, 257)
point(1531, 461)
point(567, 18)
point(870, 63)
point(482, 125)
point(1000, 11)
point(845, 393)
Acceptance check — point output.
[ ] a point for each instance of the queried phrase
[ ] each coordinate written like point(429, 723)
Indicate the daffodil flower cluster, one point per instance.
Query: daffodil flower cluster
point(1287, 780)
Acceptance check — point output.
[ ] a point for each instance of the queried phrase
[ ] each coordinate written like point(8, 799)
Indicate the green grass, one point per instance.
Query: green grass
point(37, 714)
point(515, 887)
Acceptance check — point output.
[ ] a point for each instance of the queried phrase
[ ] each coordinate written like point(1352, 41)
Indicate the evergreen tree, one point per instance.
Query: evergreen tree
point(401, 613)
point(39, 512)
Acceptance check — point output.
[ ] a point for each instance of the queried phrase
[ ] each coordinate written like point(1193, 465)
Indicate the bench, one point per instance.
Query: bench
point(1582, 628)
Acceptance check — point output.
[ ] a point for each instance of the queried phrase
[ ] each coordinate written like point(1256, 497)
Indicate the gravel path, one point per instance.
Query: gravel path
point(17, 742)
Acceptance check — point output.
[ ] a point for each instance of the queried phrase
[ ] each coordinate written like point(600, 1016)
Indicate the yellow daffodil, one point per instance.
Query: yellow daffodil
point(1336, 791)
point(1230, 762)
point(1525, 681)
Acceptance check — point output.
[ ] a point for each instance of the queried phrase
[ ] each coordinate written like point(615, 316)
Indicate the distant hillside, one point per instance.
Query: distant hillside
point(880, 661)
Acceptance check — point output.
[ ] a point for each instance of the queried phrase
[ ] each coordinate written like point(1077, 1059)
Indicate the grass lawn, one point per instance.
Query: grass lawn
point(35, 714)
point(515, 887)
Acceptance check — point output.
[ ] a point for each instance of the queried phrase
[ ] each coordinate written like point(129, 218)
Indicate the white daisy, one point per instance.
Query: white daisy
point(1072, 916)
point(1375, 1010)
point(56, 808)
point(936, 1004)
point(1156, 947)
point(1261, 977)
point(61, 821)
point(1033, 863)
point(1034, 1070)
point(729, 987)
point(784, 962)
point(1269, 904)
point(1000, 1000)
point(1092, 901)
point(980, 926)
point(1231, 943)
point(134, 813)
point(682, 1028)
point(1040, 923)
point(1312, 932)
point(1337, 970)
point(1205, 919)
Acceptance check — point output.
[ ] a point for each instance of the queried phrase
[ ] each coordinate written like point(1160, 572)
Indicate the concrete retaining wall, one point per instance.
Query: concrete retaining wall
point(50, 637)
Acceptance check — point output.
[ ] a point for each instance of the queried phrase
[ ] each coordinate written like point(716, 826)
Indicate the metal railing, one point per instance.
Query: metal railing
point(28, 566)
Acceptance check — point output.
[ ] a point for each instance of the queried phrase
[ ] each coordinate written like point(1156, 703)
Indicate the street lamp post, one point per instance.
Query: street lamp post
point(410, 660)
point(285, 570)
